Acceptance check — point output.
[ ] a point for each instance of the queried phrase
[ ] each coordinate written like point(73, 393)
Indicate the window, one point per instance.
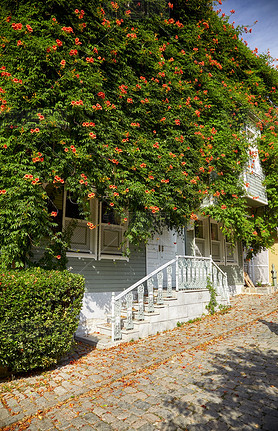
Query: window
point(253, 174)
point(209, 241)
point(199, 238)
point(231, 253)
point(201, 246)
point(103, 239)
point(83, 239)
point(111, 232)
point(216, 242)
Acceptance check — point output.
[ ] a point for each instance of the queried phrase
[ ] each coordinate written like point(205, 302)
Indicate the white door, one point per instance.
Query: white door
point(160, 249)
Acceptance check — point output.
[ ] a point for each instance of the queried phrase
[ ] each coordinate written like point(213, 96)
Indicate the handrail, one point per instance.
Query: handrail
point(156, 271)
point(124, 292)
point(219, 269)
point(193, 257)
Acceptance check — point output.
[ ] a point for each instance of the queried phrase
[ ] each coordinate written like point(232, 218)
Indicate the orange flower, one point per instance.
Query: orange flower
point(194, 216)
point(91, 225)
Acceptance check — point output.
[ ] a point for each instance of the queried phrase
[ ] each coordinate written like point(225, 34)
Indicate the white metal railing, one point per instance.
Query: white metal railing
point(180, 273)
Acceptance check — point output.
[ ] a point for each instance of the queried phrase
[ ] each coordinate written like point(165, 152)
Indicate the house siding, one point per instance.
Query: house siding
point(108, 275)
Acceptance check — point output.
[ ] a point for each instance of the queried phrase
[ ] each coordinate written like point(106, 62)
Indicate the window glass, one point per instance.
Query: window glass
point(72, 208)
point(199, 229)
point(230, 253)
point(108, 215)
point(214, 232)
point(215, 251)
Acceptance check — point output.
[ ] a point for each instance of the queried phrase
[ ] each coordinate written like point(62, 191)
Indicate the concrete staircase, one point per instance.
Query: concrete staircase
point(183, 306)
point(177, 291)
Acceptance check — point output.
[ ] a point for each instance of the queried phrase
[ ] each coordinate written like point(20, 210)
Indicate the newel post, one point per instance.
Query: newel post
point(177, 274)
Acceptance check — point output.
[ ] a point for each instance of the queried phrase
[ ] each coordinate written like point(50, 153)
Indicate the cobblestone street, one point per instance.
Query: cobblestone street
point(218, 373)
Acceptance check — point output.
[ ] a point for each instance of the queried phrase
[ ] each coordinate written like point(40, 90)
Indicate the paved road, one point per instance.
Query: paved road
point(219, 373)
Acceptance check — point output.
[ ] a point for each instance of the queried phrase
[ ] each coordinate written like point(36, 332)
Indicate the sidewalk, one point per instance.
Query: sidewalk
point(218, 373)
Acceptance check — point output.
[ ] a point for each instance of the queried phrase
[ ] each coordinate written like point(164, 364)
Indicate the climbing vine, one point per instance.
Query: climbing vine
point(212, 305)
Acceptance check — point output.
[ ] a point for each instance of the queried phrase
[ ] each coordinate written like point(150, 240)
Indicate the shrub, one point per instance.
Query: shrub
point(38, 316)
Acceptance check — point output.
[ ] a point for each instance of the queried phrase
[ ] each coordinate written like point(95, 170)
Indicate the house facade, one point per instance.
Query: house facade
point(99, 256)
point(97, 251)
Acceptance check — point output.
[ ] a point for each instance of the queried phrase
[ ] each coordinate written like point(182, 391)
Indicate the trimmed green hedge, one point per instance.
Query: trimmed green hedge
point(39, 312)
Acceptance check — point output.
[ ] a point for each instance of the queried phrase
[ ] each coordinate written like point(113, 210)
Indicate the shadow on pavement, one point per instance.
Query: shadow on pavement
point(77, 351)
point(272, 326)
point(239, 391)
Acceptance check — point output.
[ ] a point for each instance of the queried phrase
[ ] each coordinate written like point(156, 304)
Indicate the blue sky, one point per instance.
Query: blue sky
point(264, 34)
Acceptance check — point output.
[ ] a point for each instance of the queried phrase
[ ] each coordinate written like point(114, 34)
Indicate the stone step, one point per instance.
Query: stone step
point(147, 315)
point(127, 335)
point(166, 299)
point(97, 340)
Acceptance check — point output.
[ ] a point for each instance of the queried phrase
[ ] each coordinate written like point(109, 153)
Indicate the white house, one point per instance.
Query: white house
point(98, 253)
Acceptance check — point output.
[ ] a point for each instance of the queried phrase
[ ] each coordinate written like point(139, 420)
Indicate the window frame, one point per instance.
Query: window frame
point(95, 236)
point(92, 233)
point(204, 240)
point(235, 253)
point(112, 228)
point(219, 241)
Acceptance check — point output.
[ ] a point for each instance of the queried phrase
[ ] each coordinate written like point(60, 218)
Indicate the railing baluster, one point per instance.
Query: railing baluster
point(179, 268)
point(190, 274)
point(201, 273)
point(220, 284)
point(178, 275)
point(129, 303)
point(214, 277)
point(197, 274)
point(204, 271)
point(159, 299)
point(169, 281)
point(140, 291)
point(150, 306)
point(185, 274)
point(194, 273)
point(226, 288)
point(117, 320)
